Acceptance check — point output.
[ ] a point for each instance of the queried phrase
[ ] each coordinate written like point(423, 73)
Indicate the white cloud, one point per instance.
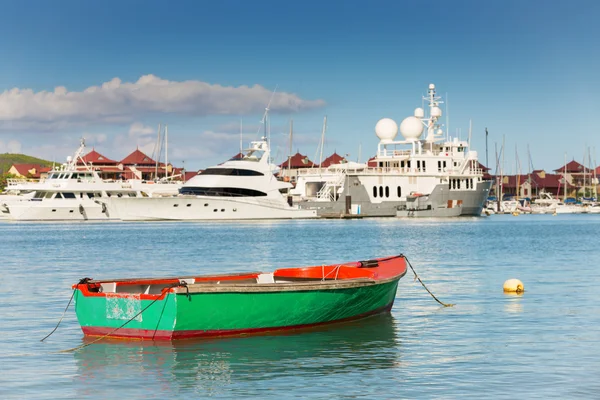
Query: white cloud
point(94, 139)
point(122, 102)
point(139, 135)
point(13, 146)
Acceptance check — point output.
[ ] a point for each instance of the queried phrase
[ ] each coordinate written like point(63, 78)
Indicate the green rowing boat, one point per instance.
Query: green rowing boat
point(237, 304)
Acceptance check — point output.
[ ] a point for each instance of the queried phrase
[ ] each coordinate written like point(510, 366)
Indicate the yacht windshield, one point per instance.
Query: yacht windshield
point(221, 191)
point(231, 171)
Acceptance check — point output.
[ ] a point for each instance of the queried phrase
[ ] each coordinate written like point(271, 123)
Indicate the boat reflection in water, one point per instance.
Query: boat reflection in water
point(210, 366)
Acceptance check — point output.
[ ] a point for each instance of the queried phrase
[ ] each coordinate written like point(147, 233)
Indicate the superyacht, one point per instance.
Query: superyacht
point(435, 176)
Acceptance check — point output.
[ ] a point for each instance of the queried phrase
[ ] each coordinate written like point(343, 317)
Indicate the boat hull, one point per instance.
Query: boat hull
point(58, 210)
point(221, 312)
point(199, 208)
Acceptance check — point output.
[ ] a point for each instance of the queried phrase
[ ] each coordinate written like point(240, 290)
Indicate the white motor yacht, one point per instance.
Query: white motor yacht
point(238, 189)
point(75, 192)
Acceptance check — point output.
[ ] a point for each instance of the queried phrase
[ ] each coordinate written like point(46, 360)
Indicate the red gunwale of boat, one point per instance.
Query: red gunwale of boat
point(378, 269)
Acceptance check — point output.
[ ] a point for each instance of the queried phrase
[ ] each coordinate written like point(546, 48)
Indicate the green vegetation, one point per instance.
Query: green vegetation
point(8, 159)
point(3, 179)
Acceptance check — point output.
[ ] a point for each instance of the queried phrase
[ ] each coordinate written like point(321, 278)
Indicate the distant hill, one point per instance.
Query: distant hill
point(8, 159)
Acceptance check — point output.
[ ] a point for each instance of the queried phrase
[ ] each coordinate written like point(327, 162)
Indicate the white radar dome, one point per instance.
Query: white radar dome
point(431, 86)
point(411, 128)
point(436, 112)
point(386, 129)
point(419, 113)
point(69, 159)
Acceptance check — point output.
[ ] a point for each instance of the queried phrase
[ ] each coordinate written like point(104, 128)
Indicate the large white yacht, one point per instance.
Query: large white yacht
point(243, 188)
point(75, 192)
point(437, 176)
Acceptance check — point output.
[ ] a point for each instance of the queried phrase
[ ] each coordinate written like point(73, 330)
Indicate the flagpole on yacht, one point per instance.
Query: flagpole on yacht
point(166, 151)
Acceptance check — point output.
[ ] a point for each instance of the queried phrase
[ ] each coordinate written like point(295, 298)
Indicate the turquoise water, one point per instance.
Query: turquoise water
point(544, 344)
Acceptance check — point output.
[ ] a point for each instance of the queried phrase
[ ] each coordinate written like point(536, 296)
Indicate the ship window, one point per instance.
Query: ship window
point(222, 210)
point(205, 204)
point(69, 195)
point(175, 205)
point(424, 165)
point(444, 164)
point(458, 183)
point(401, 164)
point(231, 171)
point(408, 164)
point(387, 191)
point(188, 205)
point(221, 191)
point(418, 164)
point(399, 191)
point(374, 191)
point(380, 191)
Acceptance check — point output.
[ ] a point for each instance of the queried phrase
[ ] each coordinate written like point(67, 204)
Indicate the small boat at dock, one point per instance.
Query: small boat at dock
point(237, 304)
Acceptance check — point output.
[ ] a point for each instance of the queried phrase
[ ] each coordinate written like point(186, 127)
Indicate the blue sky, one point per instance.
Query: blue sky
point(528, 70)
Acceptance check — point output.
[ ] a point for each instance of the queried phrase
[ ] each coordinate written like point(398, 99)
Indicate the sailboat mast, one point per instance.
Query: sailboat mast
point(157, 152)
point(166, 151)
point(322, 140)
point(502, 169)
point(486, 148)
point(290, 153)
point(565, 179)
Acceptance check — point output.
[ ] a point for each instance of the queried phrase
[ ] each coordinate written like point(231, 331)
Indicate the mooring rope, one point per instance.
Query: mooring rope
point(419, 279)
point(81, 281)
point(85, 280)
point(111, 332)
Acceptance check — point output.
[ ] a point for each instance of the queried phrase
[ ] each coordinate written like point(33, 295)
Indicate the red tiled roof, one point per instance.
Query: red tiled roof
point(190, 174)
point(23, 169)
point(549, 181)
point(483, 167)
point(335, 158)
point(96, 158)
point(297, 161)
point(573, 167)
point(139, 158)
point(161, 168)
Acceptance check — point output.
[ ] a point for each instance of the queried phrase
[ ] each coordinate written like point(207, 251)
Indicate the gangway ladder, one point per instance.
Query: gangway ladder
point(325, 193)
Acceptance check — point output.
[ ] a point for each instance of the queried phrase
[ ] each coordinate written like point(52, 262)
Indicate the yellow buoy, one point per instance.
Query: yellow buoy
point(513, 286)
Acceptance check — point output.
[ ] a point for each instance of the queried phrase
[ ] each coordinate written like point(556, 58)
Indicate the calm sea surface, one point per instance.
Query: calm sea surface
point(544, 344)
